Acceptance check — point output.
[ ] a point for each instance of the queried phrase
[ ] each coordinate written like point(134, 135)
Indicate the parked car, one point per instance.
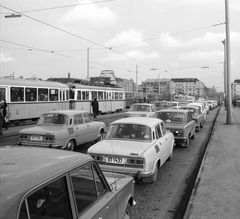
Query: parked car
point(163, 104)
point(141, 110)
point(201, 106)
point(63, 129)
point(134, 146)
point(45, 183)
point(196, 115)
point(180, 123)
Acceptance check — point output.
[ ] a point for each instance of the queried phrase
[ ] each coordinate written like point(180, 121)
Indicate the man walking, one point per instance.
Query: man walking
point(95, 107)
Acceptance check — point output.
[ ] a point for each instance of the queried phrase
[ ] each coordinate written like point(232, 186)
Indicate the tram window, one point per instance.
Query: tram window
point(116, 95)
point(30, 94)
point(42, 94)
point(67, 95)
point(85, 95)
point(79, 95)
point(53, 94)
point(72, 92)
point(120, 96)
point(105, 95)
point(94, 94)
point(2, 94)
point(64, 96)
point(17, 94)
point(100, 95)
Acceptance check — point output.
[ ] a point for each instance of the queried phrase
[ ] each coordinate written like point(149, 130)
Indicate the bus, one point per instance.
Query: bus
point(27, 99)
point(110, 99)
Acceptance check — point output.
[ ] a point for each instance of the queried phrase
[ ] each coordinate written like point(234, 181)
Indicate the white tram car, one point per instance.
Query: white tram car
point(110, 99)
point(27, 99)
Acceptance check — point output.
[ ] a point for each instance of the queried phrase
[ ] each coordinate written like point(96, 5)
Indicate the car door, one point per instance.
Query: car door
point(91, 193)
point(191, 123)
point(81, 129)
point(91, 127)
point(162, 143)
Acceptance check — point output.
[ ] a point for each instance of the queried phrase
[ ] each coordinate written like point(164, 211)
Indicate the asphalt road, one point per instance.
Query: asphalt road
point(168, 197)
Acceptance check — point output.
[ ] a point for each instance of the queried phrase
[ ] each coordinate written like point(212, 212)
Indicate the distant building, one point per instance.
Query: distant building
point(236, 89)
point(188, 86)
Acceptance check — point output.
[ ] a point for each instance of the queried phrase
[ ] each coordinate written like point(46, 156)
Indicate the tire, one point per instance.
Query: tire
point(100, 137)
point(128, 212)
point(186, 143)
point(152, 178)
point(193, 136)
point(70, 145)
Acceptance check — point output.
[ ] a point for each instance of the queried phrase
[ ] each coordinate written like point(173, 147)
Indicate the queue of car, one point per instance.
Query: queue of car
point(40, 181)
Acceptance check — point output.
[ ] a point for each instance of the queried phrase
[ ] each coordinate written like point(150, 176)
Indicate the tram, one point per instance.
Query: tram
point(110, 99)
point(27, 99)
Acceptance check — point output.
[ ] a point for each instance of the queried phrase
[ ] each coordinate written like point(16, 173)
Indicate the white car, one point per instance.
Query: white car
point(62, 129)
point(141, 110)
point(134, 146)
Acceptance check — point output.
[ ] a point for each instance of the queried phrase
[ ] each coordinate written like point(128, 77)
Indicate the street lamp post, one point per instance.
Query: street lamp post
point(229, 98)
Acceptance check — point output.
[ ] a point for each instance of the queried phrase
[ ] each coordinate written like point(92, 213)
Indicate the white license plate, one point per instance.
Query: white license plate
point(115, 160)
point(36, 138)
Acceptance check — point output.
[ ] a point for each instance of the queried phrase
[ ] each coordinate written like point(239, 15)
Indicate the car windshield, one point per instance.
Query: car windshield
point(143, 108)
point(53, 118)
point(172, 117)
point(129, 131)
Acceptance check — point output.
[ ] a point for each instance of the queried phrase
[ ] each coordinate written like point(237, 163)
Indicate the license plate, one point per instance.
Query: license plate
point(36, 138)
point(115, 160)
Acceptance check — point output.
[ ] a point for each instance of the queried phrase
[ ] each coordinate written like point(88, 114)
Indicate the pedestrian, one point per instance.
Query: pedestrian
point(4, 112)
point(95, 107)
point(1, 121)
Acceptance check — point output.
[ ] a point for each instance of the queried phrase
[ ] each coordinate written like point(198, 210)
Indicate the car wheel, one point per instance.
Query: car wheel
point(186, 143)
point(100, 137)
point(128, 212)
point(201, 125)
point(70, 145)
point(152, 178)
point(193, 136)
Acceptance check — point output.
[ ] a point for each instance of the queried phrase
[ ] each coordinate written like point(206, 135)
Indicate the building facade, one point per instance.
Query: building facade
point(236, 89)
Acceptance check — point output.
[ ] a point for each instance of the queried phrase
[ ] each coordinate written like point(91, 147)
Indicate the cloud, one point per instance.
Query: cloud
point(131, 36)
point(136, 54)
point(201, 56)
point(4, 57)
point(90, 14)
point(207, 39)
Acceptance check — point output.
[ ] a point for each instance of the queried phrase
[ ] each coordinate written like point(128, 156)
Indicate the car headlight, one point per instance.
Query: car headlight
point(178, 133)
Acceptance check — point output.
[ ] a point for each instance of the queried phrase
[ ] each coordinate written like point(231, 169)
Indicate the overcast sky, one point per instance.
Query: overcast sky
point(178, 38)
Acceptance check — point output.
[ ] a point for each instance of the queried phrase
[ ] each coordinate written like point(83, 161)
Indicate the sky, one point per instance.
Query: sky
point(137, 39)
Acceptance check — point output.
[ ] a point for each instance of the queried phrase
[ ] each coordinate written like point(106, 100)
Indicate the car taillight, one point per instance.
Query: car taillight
point(97, 158)
point(135, 161)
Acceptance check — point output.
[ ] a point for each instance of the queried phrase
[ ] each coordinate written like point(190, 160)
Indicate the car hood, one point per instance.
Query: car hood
point(42, 129)
point(119, 147)
point(137, 114)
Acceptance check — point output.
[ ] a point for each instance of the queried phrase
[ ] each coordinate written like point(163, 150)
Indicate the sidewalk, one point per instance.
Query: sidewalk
point(216, 193)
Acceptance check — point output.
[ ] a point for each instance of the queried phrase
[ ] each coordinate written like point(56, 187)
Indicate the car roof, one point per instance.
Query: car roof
point(24, 168)
point(145, 104)
point(173, 110)
point(189, 106)
point(146, 121)
point(67, 112)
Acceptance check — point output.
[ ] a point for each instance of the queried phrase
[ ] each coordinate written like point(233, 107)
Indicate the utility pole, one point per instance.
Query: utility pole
point(137, 77)
point(228, 60)
point(88, 65)
point(225, 76)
